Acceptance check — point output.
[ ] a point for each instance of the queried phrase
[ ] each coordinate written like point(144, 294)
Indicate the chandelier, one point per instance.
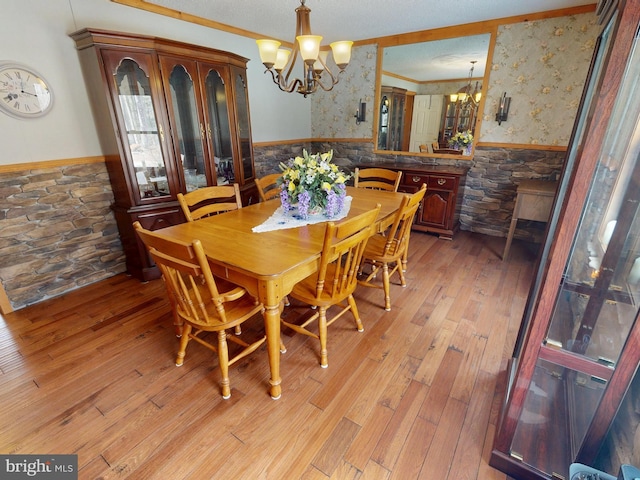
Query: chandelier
point(280, 61)
point(465, 95)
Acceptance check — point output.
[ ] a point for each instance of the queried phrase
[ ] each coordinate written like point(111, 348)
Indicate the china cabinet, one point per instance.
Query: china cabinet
point(392, 118)
point(172, 117)
point(578, 348)
point(456, 117)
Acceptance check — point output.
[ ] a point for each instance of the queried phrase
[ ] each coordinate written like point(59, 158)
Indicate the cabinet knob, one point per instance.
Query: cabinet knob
point(441, 181)
point(415, 179)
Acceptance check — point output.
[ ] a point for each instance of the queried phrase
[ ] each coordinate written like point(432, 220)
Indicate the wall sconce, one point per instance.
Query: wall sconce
point(503, 108)
point(361, 113)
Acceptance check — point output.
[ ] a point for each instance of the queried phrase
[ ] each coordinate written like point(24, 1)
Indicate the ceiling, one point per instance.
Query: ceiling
point(363, 19)
point(437, 60)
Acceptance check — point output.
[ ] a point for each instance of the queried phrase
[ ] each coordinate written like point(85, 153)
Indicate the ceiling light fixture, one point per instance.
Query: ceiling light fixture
point(465, 95)
point(280, 61)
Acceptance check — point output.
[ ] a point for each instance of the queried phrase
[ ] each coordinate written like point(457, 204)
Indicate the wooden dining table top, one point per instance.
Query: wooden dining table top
point(228, 238)
point(269, 264)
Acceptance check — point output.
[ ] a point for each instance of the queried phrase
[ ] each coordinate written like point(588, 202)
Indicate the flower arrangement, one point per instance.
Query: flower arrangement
point(462, 141)
point(312, 184)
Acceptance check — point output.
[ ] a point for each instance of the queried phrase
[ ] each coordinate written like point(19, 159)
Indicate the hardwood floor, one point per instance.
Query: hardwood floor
point(415, 396)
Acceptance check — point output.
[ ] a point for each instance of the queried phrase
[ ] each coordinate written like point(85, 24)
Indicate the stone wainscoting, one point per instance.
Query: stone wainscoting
point(57, 231)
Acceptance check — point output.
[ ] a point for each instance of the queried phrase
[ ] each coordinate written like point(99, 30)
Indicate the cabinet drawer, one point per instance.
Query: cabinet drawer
point(414, 179)
point(161, 219)
point(441, 182)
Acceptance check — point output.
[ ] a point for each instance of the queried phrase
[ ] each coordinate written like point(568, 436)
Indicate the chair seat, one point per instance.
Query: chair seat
point(236, 311)
point(376, 249)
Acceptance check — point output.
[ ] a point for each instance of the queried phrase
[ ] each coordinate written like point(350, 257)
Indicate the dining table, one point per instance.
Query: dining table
point(269, 264)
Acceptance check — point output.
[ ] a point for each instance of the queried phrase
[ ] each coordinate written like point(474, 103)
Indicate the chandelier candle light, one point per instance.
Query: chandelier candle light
point(280, 61)
point(465, 94)
point(312, 185)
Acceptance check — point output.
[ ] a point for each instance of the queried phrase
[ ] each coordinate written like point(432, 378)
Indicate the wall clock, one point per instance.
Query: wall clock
point(24, 93)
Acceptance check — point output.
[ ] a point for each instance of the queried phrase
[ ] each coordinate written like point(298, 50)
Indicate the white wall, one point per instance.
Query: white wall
point(38, 35)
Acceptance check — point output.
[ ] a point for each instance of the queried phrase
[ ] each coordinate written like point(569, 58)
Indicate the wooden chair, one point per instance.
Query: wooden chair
point(200, 302)
point(268, 187)
point(336, 278)
point(377, 178)
point(448, 151)
point(207, 201)
point(424, 149)
point(388, 250)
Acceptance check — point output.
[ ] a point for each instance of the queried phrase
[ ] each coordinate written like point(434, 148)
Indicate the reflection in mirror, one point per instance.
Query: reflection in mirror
point(430, 91)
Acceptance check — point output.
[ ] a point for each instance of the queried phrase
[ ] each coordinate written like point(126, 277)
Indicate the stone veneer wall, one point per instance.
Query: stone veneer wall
point(57, 232)
point(490, 190)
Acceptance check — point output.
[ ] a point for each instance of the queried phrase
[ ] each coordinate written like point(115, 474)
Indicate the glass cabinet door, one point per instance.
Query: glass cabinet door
point(449, 123)
point(597, 302)
point(186, 119)
point(464, 117)
point(143, 136)
point(383, 131)
point(397, 122)
point(218, 124)
point(243, 124)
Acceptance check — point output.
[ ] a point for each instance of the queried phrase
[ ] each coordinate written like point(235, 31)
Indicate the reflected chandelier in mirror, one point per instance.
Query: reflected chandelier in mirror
point(428, 93)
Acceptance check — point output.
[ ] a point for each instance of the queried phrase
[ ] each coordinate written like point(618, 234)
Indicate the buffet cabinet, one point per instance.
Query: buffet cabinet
point(172, 117)
point(439, 211)
point(578, 348)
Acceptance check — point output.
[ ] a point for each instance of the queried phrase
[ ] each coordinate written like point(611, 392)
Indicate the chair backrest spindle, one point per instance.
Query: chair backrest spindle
point(377, 179)
point(268, 187)
point(207, 201)
point(342, 251)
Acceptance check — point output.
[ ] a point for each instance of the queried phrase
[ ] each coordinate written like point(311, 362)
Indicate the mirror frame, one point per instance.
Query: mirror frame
point(479, 28)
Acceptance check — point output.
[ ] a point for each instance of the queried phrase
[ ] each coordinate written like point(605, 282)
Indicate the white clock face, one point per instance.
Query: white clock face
point(23, 92)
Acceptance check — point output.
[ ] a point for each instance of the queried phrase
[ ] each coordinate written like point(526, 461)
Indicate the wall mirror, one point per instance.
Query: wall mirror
point(416, 112)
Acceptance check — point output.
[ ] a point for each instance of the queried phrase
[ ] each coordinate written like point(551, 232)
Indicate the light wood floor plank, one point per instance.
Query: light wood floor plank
point(416, 395)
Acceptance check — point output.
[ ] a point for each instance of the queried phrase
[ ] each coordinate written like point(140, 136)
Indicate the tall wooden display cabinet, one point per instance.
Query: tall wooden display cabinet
point(392, 118)
point(579, 344)
point(172, 117)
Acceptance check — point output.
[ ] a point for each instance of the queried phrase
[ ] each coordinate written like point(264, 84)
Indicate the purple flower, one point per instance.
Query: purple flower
point(342, 193)
point(284, 199)
point(304, 201)
point(333, 204)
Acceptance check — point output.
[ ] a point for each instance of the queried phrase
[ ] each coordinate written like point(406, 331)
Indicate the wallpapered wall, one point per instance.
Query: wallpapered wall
point(332, 112)
point(542, 65)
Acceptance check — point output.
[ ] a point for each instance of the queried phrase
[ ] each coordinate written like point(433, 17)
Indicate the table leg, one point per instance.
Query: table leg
point(512, 227)
point(272, 328)
point(512, 230)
